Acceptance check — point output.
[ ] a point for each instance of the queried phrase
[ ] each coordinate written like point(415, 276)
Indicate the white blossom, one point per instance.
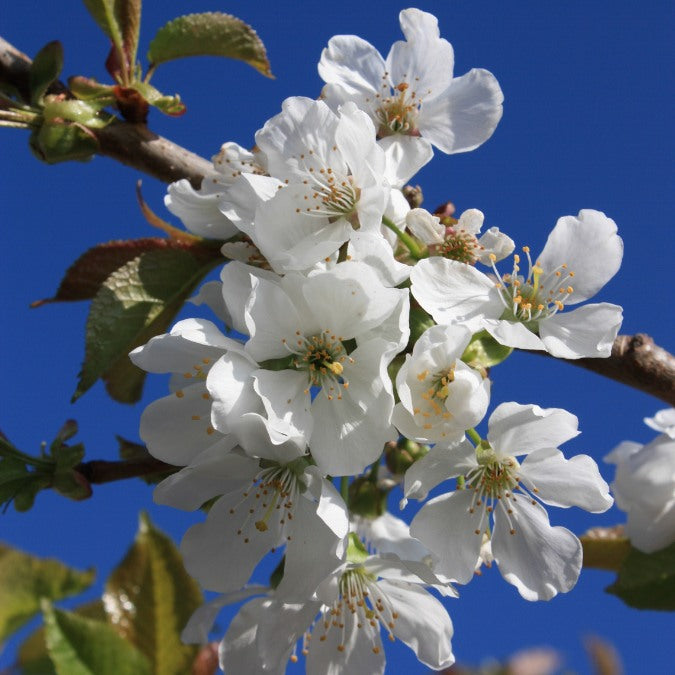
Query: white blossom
point(644, 487)
point(540, 560)
point(413, 93)
point(440, 396)
point(526, 310)
point(200, 209)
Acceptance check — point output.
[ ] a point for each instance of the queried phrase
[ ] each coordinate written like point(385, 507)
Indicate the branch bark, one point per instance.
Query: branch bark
point(101, 471)
point(635, 361)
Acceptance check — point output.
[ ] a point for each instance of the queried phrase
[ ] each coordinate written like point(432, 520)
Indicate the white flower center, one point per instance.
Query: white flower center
point(494, 482)
point(334, 193)
point(270, 498)
point(322, 357)
point(536, 296)
point(458, 245)
point(397, 111)
point(361, 597)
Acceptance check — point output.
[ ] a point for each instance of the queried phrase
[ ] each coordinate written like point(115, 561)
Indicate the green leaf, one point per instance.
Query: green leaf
point(484, 351)
point(136, 302)
point(44, 70)
point(106, 15)
point(210, 33)
point(647, 580)
point(32, 656)
point(24, 579)
point(79, 646)
point(150, 597)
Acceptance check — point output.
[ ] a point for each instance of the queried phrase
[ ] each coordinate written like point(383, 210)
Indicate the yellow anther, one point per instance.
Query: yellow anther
point(493, 257)
point(570, 289)
point(526, 249)
point(336, 368)
point(423, 375)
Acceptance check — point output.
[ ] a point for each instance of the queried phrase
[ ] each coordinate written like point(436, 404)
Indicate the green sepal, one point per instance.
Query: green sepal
point(366, 499)
point(209, 34)
point(169, 105)
point(88, 89)
point(356, 551)
point(420, 321)
point(45, 70)
point(484, 351)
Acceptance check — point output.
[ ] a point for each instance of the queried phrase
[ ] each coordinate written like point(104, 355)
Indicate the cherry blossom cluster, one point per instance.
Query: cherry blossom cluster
point(347, 328)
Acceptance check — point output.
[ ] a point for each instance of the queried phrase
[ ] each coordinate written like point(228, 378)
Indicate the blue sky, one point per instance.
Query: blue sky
point(586, 125)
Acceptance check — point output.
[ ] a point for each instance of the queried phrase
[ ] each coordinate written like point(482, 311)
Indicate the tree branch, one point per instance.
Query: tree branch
point(635, 360)
point(131, 144)
point(101, 471)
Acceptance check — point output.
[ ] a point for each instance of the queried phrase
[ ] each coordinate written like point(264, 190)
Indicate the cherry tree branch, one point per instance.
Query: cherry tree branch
point(635, 360)
point(100, 471)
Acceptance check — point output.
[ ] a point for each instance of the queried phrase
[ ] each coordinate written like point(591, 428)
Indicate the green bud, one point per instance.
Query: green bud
point(420, 321)
point(57, 142)
point(400, 456)
point(366, 499)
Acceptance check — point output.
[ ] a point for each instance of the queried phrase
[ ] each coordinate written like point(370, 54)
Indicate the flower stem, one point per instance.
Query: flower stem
point(409, 242)
point(474, 436)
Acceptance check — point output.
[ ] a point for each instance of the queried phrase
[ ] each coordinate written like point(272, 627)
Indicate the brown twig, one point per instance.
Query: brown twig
point(635, 360)
point(101, 471)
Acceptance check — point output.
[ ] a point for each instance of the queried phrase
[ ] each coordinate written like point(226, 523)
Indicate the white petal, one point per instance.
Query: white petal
point(471, 221)
point(239, 652)
point(211, 295)
point(237, 285)
point(372, 249)
point(243, 198)
point(272, 321)
point(425, 60)
point(404, 157)
point(354, 64)
point(230, 386)
point(516, 429)
point(465, 115)
point(215, 471)
point(562, 482)
point(219, 558)
point(446, 527)
point(439, 464)
point(286, 399)
point(622, 452)
point(198, 211)
point(663, 422)
point(312, 553)
point(453, 292)
point(189, 342)
point(279, 629)
point(201, 622)
point(425, 226)
point(586, 331)
point(539, 560)
point(496, 243)
point(176, 429)
point(591, 248)
point(422, 623)
point(512, 334)
point(649, 533)
point(355, 139)
point(290, 237)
